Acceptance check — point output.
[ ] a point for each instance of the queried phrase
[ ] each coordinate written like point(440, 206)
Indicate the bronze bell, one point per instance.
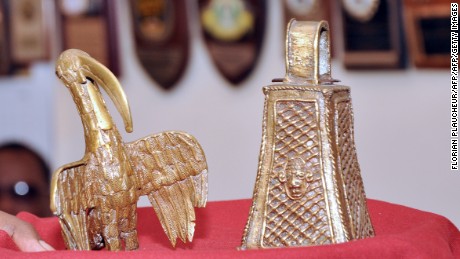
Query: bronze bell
point(308, 189)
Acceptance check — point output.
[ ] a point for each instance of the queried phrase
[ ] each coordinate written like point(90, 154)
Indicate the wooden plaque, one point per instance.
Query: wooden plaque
point(4, 53)
point(428, 32)
point(162, 39)
point(372, 34)
point(308, 10)
point(89, 25)
point(28, 34)
point(233, 31)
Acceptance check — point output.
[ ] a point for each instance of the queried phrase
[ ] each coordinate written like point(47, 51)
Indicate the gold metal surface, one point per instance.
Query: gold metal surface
point(308, 188)
point(96, 198)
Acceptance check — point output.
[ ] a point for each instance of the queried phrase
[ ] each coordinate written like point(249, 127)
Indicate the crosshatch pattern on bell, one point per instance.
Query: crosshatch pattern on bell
point(361, 226)
point(303, 220)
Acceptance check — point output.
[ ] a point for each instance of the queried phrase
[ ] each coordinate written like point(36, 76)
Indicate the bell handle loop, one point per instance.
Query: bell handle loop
point(308, 55)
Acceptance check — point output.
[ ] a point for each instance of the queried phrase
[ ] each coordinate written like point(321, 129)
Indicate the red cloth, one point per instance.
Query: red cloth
point(401, 232)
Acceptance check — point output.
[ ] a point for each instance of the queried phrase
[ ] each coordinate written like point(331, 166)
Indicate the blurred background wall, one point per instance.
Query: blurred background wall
point(401, 118)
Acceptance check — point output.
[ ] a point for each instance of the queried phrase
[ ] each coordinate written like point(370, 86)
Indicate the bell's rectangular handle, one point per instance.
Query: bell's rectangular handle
point(308, 55)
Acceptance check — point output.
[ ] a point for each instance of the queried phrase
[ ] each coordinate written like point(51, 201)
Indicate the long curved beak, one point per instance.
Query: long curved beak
point(107, 80)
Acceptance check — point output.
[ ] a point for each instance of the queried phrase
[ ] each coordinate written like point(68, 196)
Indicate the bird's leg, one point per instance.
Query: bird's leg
point(94, 229)
point(110, 229)
point(128, 227)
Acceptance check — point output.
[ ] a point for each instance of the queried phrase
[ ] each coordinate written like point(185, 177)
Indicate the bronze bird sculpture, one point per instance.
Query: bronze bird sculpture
point(96, 198)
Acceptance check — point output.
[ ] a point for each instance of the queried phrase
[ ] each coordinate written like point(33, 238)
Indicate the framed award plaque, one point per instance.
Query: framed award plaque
point(302, 10)
point(162, 39)
point(89, 25)
point(4, 53)
point(372, 34)
point(29, 39)
point(428, 32)
point(233, 32)
point(307, 10)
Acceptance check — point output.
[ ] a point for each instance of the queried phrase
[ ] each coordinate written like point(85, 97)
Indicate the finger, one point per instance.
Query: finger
point(23, 234)
point(30, 245)
point(46, 246)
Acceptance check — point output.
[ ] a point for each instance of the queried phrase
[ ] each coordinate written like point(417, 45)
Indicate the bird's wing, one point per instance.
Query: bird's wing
point(171, 169)
point(70, 199)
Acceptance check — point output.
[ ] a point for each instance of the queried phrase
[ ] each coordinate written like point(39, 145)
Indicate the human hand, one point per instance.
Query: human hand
point(23, 234)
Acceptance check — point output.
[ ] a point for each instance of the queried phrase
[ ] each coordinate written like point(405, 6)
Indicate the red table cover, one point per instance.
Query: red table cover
point(401, 232)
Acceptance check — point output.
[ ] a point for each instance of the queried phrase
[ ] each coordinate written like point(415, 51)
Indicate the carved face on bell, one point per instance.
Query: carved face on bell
point(295, 178)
